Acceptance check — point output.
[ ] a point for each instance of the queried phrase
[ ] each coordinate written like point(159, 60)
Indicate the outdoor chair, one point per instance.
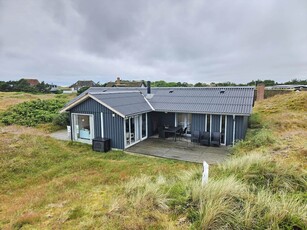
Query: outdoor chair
point(216, 139)
point(161, 132)
point(184, 131)
point(205, 138)
point(179, 132)
point(195, 136)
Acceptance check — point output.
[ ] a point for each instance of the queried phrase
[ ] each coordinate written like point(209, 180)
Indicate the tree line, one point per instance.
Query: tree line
point(162, 83)
point(23, 86)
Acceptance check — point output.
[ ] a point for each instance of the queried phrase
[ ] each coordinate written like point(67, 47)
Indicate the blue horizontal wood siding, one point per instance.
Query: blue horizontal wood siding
point(113, 126)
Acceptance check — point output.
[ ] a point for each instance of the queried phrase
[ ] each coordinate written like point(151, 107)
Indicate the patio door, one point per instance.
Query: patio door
point(184, 120)
point(223, 126)
point(135, 129)
point(83, 127)
point(143, 119)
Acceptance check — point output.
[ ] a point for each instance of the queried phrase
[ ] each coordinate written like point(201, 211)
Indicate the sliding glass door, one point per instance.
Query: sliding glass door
point(184, 120)
point(135, 129)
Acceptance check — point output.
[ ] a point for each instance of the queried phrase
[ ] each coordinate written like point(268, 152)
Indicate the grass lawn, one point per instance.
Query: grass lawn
point(44, 181)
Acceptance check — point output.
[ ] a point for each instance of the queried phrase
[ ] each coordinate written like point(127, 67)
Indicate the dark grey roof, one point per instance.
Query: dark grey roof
point(93, 90)
point(126, 103)
point(211, 100)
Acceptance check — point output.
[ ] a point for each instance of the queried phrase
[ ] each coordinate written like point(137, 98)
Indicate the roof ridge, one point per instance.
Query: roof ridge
point(112, 92)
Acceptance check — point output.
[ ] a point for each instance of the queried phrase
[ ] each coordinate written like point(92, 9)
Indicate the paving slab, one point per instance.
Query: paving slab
point(60, 135)
point(168, 148)
point(180, 150)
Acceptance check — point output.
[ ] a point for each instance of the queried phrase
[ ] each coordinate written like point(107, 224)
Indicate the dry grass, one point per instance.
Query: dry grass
point(67, 185)
point(13, 98)
point(9, 99)
point(279, 127)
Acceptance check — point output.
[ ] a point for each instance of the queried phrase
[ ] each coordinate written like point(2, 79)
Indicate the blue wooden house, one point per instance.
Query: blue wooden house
point(130, 115)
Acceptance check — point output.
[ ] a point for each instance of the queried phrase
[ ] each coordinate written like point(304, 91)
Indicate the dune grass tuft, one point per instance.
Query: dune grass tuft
point(262, 171)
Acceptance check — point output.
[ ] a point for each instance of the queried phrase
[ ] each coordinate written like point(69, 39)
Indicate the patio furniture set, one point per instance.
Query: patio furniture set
point(204, 138)
point(198, 137)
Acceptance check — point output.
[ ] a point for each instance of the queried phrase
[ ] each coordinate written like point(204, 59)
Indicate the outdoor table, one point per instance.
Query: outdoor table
point(173, 130)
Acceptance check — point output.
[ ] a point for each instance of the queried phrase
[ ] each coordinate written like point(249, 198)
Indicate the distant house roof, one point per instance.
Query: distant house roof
point(125, 83)
point(32, 82)
point(286, 87)
point(210, 100)
point(80, 84)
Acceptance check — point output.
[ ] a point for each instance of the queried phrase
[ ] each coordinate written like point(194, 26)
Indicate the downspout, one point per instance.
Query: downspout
point(71, 127)
point(234, 129)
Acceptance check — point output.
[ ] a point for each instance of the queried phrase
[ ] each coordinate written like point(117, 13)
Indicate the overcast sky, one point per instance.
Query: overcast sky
point(61, 41)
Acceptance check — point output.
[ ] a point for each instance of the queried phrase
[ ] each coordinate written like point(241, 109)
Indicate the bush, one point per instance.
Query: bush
point(32, 113)
point(255, 139)
point(82, 90)
point(61, 119)
point(254, 121)
point(262, 138)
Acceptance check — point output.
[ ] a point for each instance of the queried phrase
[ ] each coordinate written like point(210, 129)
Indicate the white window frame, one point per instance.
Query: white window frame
point(139, 118)
point(102, 127)
point(141, 122)
point(234, 130)
point(221, 118)
point(185, 121)
point(210, 125)
point(92, 131)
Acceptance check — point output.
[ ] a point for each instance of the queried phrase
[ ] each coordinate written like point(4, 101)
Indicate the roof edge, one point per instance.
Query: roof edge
point(85, 97)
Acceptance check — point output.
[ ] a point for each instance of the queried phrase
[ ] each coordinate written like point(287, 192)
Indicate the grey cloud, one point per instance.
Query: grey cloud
point(195, 40)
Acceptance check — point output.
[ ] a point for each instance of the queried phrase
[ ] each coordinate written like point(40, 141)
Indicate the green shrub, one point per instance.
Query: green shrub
point(32, 113)
point(254, 121)
point(82, 90)
point(262, 138)
point(255, 139)
point(61, 119)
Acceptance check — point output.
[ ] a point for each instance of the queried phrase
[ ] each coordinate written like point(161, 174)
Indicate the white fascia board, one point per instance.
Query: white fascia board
point(86, 96)
point(81, 99)
point(153, 109)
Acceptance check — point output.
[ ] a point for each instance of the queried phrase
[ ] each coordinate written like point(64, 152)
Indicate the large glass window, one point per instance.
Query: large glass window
point(128, 141)
point(223, 129)
point(82, 127)
point(144, 125)
point(208, 122)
